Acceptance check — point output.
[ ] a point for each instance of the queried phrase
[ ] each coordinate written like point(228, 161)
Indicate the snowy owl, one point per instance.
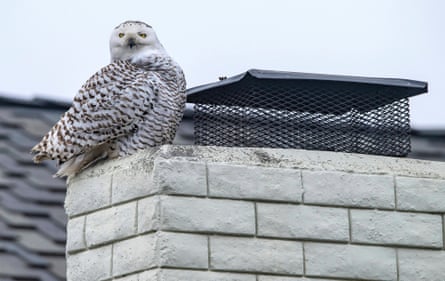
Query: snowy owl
point(135, 102)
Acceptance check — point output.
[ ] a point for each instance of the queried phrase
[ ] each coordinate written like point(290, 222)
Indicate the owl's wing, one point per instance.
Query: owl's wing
point(107, 106)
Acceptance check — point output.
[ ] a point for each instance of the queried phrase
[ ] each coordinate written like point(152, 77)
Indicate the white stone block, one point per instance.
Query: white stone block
point(300, 221)
point(89, 265)
point(350, 261)
point(421, 265)
point(75, 234)
point(345, 189)
point(283, 278)
point(256, 255)
point(396, 228)
point(420, 194)
point(150, 275)
point(87, 194)
point(131, 277)
point(110, 224)
point(135, 254)
point(207, 215)
point(180, 177)
point(192, 275)
point(132, 183)
point(183, 250)
point(254, 182)
point(187, 275)
point(148, 214)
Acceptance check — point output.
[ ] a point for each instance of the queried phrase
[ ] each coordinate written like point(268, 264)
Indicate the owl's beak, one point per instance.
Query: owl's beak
point(131, 43)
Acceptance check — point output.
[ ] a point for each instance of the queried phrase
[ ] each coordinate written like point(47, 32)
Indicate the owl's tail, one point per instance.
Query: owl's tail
point(82, 161)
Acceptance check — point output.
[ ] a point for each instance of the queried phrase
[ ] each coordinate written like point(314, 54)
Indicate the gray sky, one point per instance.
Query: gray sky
point(50, 48)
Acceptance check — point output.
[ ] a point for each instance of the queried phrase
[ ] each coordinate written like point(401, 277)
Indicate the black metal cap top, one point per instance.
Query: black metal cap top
point(277, 85)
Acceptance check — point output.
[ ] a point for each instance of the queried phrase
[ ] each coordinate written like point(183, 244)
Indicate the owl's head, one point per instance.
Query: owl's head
point(134, 40)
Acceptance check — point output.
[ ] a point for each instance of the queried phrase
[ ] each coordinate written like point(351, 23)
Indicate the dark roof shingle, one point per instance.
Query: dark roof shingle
point(32, 218)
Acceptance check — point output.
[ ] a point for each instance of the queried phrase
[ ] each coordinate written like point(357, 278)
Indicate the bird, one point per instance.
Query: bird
point(134, 102)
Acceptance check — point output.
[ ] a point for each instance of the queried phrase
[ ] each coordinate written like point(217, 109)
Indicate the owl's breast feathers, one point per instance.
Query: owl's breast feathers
point(121, 109)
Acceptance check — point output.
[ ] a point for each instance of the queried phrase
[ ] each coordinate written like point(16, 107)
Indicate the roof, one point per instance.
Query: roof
point(428, 144)
point(280, 85)
point(32, 218)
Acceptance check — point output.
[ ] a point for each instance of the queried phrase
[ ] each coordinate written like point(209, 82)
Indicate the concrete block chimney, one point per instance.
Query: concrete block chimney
point(193, 213)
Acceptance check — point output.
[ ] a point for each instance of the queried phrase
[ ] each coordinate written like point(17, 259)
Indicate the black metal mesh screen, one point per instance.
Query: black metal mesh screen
point(304, 117)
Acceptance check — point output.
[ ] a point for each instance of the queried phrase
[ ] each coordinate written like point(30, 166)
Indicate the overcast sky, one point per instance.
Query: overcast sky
point(50, 48)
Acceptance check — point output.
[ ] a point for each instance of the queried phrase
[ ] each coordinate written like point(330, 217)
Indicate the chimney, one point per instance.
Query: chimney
point(256, 214)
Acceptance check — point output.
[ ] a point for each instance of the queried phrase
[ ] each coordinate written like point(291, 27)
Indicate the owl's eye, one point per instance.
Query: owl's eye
point(121, 35)
point(143, 35)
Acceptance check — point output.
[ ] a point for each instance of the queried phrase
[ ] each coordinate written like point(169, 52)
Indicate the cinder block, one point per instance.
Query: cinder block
point(75, 234)
point(88, 194)
point(150, 275)
point(350, 261)
point(132, 277)
point(207, 215)
point(253, 182)
point(160, 249)
point(344, 189)
point(283, 278)
point(256, 255)
point(419, 194)
point(135, 254)
point(180, 177)
point(181, 275)
point(148, 214)
point(189, 275)
point(396, 228)
point(421, 265)
point(299, 221)
point(111, 224)
point(90, 265)
point(183, 250)
point(132, 183)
